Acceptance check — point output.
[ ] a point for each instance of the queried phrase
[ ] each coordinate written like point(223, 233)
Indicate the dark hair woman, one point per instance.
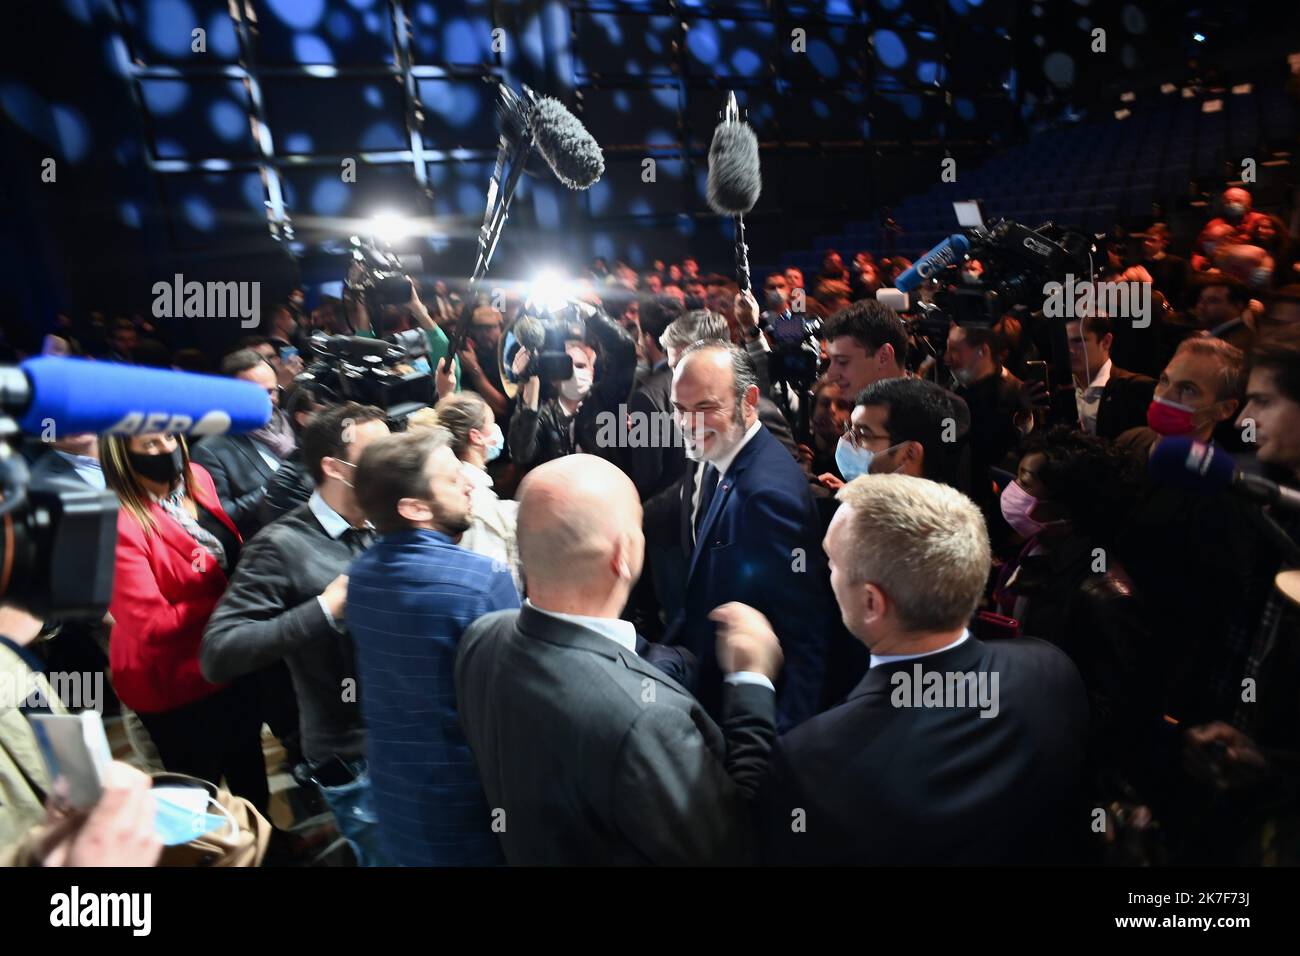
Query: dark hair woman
point(175, 551)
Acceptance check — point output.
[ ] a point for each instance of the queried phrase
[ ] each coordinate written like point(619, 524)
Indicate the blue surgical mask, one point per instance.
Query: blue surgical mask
point(853, 461)
point(177, 820)
point(496, 443)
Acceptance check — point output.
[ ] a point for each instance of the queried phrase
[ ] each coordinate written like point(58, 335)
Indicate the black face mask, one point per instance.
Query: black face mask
point(162, 468)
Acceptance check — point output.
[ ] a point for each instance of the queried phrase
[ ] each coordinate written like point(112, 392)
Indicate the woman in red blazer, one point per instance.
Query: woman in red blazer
point(175, 551)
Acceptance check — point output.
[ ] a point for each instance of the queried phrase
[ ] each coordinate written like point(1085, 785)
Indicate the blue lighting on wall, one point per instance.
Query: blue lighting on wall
point(129, 213)
point(311, 49)
point(382, 135)
point(299, 14)
point(890, 49)
point(228, 120)
point(702, 41)
point(253, 192)
point(746, 62)
point(73, 132)
point(79, 10)
point(339, 25)
point(198, 213)
point(823, 59)
point(469, 199)
point(329, 197)
point(164, 97)
point(221, 36)
point(168, 24)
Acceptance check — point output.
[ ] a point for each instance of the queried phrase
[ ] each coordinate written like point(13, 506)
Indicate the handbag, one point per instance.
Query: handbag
point(243, 843)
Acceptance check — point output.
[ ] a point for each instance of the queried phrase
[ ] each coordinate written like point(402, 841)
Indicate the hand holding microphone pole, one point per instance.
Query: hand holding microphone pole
point(735, 180)
point(569, 150)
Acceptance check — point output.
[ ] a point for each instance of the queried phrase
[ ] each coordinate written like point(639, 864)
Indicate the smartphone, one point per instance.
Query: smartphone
point(1037, 372)
point(287, 352)
point(76, 753)
point(334, 772)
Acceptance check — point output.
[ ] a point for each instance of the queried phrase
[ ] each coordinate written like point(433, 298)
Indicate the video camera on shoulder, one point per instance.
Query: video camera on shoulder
point(378, 274)
point(543, 327)
point(386, 373)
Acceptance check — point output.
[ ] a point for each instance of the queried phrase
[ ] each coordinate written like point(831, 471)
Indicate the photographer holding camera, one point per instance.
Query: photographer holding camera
point(604, 368)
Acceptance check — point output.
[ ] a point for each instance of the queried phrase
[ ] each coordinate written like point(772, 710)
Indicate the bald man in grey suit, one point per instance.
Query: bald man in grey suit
point(588, 753)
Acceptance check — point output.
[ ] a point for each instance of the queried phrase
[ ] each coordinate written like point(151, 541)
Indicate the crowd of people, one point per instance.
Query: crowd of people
point(500, 630)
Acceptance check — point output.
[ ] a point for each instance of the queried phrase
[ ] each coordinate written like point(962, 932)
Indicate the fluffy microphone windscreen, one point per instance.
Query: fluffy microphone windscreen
point(530, 333)
point(565, 144)
point(734, 177)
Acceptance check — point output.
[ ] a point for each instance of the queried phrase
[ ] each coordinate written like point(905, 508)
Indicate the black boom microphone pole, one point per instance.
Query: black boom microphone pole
point(734, 179)
point(567, 147)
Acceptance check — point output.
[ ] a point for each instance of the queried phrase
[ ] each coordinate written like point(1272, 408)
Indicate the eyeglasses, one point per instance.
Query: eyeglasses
point(859, 435)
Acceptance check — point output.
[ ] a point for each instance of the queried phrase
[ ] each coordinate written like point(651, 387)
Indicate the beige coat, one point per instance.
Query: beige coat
point(22, 770)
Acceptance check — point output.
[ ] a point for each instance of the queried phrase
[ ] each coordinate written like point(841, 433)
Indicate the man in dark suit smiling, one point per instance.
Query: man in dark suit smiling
point(750, 528)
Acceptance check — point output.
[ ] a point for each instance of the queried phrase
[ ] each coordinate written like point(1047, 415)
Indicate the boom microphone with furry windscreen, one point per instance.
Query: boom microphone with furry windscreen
point(565, 144)
point(567, 147)
point(734, 178)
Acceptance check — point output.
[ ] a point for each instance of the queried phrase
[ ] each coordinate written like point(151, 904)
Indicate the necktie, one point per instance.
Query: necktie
point(357, 539)
point(708, 485)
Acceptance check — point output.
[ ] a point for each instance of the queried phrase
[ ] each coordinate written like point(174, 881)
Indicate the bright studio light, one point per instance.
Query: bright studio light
point(550, 290)
point(390, 227)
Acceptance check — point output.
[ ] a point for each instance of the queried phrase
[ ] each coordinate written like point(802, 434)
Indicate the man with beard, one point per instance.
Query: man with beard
point(478, 361)
point(410, 598)
point(750, 529)
point(241, 465)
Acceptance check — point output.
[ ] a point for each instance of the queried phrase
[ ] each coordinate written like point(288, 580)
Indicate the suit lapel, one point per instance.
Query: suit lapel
point(635, 662)
point(553, 630)
point(175, 536)
point(684, 512)
point(63, 467)
point(245, 446)
point(721, 494)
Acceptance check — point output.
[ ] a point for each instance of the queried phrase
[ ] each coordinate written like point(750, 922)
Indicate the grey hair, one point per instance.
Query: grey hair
point(742, 366)
point(698, 325)
point(1230, 358)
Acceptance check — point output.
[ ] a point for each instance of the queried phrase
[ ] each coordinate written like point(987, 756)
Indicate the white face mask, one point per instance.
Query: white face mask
point(575, 389)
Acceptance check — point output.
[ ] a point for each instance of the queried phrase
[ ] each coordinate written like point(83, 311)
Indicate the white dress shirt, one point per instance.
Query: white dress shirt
point(88, 469)
point(267, 456)
point(623, 633)
point(334, 524)
point(878, 659)
point(1088, 400)
point(722, 465)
